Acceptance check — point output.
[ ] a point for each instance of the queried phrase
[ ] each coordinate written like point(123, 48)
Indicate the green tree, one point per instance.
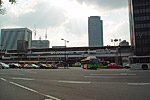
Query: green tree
point(3, 10)
point(11, 1)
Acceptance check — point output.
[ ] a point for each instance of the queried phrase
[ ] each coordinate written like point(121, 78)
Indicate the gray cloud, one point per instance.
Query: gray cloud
point(107, 4)
point(3, 20)
point(77, 26)
point(43, 16)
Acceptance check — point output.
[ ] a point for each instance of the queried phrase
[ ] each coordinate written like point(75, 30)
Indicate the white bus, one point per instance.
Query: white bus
point(139, 62)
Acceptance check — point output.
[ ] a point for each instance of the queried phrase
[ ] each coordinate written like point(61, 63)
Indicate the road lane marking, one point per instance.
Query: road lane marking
point(24, 87)
point(11, 73)
point(27, 79)
point(110, 77)
point(32, 72)
point(75, 82)
point(127, 74)
point(29, 89)
point(121, 74)
point(139, 84)
point(3, 79)
point(17, 74)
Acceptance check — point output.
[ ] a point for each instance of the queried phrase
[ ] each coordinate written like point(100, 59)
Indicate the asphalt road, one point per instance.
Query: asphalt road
point(74, 84)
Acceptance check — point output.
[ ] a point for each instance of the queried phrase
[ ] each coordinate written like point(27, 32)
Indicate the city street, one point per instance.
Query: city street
point(74, 84)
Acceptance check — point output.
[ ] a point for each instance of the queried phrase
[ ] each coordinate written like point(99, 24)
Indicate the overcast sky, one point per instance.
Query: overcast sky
point(68, 19)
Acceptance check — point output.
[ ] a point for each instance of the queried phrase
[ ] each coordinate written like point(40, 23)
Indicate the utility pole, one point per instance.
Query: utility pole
point(65, 61)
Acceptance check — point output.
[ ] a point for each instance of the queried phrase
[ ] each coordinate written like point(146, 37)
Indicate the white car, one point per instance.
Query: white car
point(31, 66)
point(126, 66)
point(3, 66)
point(14, 65)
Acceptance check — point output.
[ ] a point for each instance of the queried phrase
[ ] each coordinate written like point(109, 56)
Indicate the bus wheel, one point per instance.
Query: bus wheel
point(144, 67)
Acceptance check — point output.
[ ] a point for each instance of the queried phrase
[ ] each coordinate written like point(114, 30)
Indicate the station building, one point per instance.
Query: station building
point(114, 54)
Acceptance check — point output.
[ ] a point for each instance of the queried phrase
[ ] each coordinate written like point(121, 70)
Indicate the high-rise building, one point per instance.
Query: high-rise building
point(95, 31)
point(139, 18)
point(10, 37)
point(38, 44)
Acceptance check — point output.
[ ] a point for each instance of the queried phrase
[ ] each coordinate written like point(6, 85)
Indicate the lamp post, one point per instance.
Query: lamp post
point(120, 58)
point(65, 65)
point(117, 50)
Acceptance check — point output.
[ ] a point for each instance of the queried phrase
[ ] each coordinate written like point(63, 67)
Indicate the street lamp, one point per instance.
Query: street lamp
point(65, 51)
point(115, 40)
point(117, 50)
point(65, 41)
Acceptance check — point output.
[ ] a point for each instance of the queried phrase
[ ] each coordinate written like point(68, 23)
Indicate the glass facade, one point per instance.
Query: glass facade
point(139, 15)
point(95, 31)
point(9, 37)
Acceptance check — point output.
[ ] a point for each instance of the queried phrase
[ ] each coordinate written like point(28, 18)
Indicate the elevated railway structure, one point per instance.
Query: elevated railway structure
point(74, 54)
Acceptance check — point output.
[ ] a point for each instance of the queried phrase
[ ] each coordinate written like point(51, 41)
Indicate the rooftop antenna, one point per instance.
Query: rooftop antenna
point(46, 35)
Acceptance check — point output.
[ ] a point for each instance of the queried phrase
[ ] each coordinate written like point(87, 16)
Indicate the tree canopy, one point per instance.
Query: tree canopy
point(3, 10)
point(11, 1)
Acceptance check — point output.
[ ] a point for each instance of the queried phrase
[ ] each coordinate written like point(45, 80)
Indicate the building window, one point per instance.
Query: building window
point(147, 17)
point(140, 10)
point(142, 25)
point(145, 25)
point(137, 33)
point(148, 25)
point(143, 10)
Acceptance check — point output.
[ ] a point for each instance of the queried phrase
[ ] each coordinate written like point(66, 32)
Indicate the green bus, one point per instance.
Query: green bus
point(90, 63)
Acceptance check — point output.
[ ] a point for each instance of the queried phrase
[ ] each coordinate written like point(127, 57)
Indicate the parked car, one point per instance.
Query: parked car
point(42, 66)
point(113, 65)
point(3, 66)
point(31, 66)
point(14, 65)
point(51, 66)
point(126, 66)
point(22, 65)
point(59, 65)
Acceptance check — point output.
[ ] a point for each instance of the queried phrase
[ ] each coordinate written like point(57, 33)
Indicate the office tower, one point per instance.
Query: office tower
point(139, 19)
point(38, 44)
point(10, 37)
point(95, 31)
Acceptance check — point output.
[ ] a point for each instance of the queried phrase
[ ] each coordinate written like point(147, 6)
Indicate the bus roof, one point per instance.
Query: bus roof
point(139, 56)
point(85, 60)
point(91, 57)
